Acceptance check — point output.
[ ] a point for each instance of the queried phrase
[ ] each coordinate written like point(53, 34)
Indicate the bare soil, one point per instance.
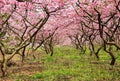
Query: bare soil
point(29, 67)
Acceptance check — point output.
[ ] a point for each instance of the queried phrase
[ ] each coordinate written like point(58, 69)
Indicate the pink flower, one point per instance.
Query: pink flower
point(0, 21)
point(1, 4)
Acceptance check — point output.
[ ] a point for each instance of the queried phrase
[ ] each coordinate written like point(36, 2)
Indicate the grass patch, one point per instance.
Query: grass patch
point(68, 64)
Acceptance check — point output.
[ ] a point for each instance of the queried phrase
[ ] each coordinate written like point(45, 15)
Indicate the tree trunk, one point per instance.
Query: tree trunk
point(51, 49)
point(96, 54)
point(23, 54)
point(110, 53)
point(4, 63)
point(4, 68)
point(112, 56)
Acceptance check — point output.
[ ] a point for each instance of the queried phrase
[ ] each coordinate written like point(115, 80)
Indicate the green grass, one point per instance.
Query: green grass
point(68, 65)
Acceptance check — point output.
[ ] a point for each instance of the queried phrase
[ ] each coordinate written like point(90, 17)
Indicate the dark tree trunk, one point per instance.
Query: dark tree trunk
point(23, 54)
point(110, 53)
point(113, 59)
point(4, 68)
point(112, 56)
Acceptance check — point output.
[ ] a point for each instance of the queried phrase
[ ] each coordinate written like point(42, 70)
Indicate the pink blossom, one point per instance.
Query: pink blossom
point(0, 21)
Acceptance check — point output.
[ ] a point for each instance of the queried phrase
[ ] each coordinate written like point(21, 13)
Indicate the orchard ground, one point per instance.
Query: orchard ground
point(67, 64)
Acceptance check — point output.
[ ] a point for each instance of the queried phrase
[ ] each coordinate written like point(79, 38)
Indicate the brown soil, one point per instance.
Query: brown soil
point(27, 68)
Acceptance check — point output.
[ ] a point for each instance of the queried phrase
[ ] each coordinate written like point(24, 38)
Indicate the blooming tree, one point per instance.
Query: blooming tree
point(103, 17)
point(37, 22)
point(20, 21)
